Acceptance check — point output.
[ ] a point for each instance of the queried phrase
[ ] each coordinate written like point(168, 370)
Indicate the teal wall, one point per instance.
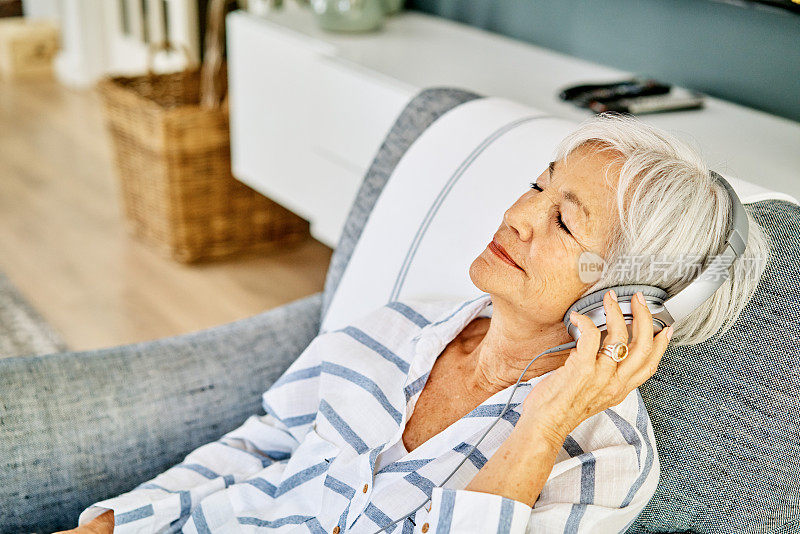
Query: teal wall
point(749, 55)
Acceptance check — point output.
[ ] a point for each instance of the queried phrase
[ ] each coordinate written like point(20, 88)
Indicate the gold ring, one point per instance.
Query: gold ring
point(617, 351)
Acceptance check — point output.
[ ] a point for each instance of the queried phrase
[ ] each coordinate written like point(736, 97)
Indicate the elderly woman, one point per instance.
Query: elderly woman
point(364, 429)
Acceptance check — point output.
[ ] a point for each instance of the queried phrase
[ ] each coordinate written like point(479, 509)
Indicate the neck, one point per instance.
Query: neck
point(502, 346)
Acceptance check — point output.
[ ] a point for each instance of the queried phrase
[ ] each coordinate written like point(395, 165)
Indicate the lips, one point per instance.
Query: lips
point(500, 252)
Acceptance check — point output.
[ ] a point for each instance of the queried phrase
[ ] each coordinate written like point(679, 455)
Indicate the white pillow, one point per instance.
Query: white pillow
point(444, 202)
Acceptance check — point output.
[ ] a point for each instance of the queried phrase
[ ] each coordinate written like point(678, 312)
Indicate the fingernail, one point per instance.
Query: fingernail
point(613, 295)
point(669, 333)
point(640, 297)
point(573, 315)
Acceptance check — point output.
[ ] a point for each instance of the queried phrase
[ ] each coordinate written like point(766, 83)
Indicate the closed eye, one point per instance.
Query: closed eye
point(563, 226)
point(559, 220)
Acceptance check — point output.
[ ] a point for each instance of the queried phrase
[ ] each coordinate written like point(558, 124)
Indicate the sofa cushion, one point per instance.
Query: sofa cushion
point(724, 412)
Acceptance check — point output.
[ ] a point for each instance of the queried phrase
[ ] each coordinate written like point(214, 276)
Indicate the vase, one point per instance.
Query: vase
point(349, 15)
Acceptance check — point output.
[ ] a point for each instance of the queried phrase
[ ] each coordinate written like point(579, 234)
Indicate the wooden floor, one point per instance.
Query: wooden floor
point(63, 243)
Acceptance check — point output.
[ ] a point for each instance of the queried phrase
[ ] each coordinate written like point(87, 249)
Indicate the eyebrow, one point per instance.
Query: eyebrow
point(569, 195)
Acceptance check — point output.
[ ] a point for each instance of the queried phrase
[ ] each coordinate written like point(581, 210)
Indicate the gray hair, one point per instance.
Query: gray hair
point(670, 208)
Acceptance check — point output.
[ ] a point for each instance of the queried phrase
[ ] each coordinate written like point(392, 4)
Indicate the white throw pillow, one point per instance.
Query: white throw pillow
point(446, 199)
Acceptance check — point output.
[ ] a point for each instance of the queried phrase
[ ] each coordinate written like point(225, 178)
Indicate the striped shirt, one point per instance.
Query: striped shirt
point(310, 464)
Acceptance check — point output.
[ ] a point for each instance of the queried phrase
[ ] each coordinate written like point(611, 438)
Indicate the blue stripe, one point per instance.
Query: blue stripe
point(587, 477)
point(200, 470)
point(628, 432)
point(437, 203)
point(340, 487)
point(229, 480)
point(364, 383)
point(641, 425)
point(506, 515)
point(263, 459)
point(409, 313)
point(263, 485)
point(378, 517)
point(133, 515)
point(373, 456)
point(377, 347)
point(493, 410)
point(587, 460)
point(289, 422)
point(477, 458)
point(200, 522)
point(446, 511)
point(301, 477)
point(460, 307)
point(574, 519)
point(426, 485)
point(186, 504)
point(177, 525)
point(314, 526)
point(408, 526)
point(278, 455)
point(266, 459)
point(299, 420)
point(414, 387)
point(572, 447)
point(294, 376)
point(185, 497)
point(405, 466)
point(288, 520)
point(343, 517)
point(341, 427)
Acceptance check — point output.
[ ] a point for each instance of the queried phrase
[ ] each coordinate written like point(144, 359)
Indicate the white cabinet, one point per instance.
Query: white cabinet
point(310, 108)
point(305, 125)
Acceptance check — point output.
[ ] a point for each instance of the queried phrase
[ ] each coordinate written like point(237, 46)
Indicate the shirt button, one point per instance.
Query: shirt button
point(366, 487)
point(336, 529)
point(425, 527)
point(428, 508)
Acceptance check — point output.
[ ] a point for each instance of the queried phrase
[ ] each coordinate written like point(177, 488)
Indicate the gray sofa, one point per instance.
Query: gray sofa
point(77, 427)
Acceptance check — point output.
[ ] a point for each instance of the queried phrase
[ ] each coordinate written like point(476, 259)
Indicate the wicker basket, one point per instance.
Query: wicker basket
point(172, 148)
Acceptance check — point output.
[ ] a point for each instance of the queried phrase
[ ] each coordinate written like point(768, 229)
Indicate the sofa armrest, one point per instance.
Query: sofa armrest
point(78, 427)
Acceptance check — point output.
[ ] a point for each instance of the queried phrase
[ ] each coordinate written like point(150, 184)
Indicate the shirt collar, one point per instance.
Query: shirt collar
point(458, 316)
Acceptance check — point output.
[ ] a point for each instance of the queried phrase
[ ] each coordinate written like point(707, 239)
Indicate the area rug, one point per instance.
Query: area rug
point(23, 332)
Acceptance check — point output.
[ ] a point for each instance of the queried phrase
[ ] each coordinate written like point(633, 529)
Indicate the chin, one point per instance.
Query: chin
point(485, 278)
point(499, 285)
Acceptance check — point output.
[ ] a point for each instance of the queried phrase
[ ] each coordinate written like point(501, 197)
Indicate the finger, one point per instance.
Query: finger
point(615, 320)
point(617, 332)
point(660, 343)
point(642, 322)
point(642, 343)
point(589, 341)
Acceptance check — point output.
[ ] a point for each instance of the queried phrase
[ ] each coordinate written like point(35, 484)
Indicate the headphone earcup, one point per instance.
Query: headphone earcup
point(591, 305)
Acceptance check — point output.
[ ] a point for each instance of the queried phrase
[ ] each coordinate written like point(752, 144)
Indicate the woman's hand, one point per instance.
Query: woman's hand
point(102, 524)
point(588, 382)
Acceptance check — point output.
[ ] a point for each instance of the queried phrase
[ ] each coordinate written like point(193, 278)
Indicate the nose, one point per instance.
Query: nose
point(526, 214)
